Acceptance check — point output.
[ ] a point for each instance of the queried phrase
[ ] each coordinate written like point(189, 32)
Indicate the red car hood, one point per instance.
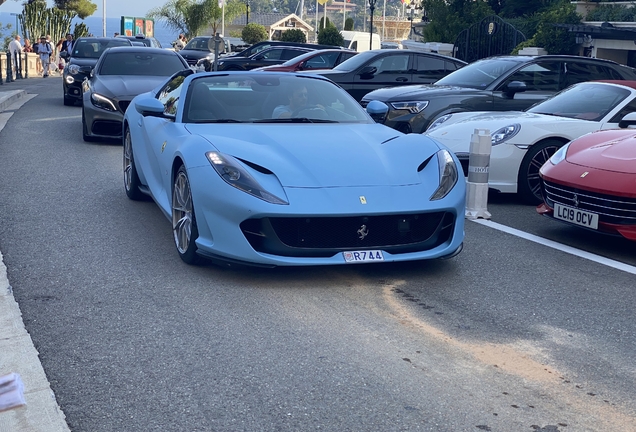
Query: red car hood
point(613, 150)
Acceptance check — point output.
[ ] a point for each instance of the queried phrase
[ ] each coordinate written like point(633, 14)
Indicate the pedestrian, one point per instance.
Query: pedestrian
point(15, 48)
point(67, 45)
point(178, 44)
point(27, 46)
point(44, 52)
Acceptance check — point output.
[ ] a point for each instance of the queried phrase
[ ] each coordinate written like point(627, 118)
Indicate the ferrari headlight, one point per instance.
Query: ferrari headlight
point(560, 154)
point(438, 122)
point(235, 175)
point(74, 69)
point(504, 134)
point(447, 175)
point(102, 102)
point(413, 107)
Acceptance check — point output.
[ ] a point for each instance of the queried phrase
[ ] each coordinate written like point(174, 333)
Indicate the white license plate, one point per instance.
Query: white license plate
point(576, 216)
point(363, 256)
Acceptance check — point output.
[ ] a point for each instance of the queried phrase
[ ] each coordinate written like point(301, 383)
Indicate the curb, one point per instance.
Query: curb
point(7, 98)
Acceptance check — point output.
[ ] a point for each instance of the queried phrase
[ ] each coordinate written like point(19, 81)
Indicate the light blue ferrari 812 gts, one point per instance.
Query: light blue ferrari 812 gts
point(270, 169)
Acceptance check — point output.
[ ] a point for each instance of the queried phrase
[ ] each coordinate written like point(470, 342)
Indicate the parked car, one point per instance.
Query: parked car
point(146, 40)
point(312, 60)
point(121, 74)
point(200, 49)
point(503, 83)
point(267, 57)
point(590, 181)
point(325, 185)
point(260, 46)
point(371, 70)
point(523, 141)
point(86, 52)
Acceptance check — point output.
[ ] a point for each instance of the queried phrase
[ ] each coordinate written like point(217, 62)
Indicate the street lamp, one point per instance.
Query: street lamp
point(17, 28)
point(247, 12)
point(372, 8)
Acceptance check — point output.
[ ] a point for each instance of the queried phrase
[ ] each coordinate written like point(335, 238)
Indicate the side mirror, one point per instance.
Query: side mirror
point(515, 87)
point(368, 71)
point(377, 110)
point(149, 106)
point(86, 69)
point(301, 66)
point(628, 120)
point(259, 57)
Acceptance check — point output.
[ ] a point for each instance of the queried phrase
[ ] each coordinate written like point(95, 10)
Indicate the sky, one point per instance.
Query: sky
point(114, 8)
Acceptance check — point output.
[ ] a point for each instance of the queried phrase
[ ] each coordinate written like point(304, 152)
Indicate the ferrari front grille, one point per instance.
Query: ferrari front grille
point(610, 208)
point(326, 236)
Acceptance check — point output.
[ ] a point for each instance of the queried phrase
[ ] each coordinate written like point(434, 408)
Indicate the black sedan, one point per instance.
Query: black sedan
point(121, 74)
point(504, 83)
point(86, 51)
point(371, 70)
point(267, 57)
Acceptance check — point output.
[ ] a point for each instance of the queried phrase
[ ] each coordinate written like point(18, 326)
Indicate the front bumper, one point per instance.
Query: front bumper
point(104, 124)
point(320, 225)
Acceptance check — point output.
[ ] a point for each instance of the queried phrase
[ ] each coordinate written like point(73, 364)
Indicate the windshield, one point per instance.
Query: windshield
point(198, 44)
point(261, 97)
point(355, 62)
point(479, 74)
point(138, 63)
point(93, 48)
point(583, 101)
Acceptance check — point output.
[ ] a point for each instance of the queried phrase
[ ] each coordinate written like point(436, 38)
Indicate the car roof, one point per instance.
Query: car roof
point(524, 58)
point(97, 38)
point(410, 51)
point(140, 49)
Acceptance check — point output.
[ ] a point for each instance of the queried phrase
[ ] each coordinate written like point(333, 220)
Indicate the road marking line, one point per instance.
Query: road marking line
point(558, 246)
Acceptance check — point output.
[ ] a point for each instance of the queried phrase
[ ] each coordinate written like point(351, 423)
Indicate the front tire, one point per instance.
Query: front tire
point(131, 178)
point(528, 181)
point(184, 225)
point(68, 101)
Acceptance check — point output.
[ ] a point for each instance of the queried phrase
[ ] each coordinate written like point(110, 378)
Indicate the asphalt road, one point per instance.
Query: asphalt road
point(511, 335)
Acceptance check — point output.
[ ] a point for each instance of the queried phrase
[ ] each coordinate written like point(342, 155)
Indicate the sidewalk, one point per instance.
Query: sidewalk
point(17, 353)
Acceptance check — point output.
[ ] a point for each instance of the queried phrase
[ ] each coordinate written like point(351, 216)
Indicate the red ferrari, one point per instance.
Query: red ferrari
point(313, 60)
point(591, 182)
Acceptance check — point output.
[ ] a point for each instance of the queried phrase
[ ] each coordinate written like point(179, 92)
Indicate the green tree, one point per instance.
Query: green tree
point(293, 35)
point(81, 8)
point(449, 18)
point(254, 33)
point(330, 36)
point(348, 24)
point(554, 39)
point(193, 17)
point(324, 20)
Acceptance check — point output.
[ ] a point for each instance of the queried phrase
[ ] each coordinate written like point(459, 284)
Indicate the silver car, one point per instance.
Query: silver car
point(121, 74)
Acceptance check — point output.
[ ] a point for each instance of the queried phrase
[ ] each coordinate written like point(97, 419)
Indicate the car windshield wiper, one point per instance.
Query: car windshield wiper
point(295, 120)
point(219, 121)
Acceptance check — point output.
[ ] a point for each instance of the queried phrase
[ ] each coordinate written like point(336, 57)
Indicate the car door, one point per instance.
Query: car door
point(156, 132)
point(428, 69)
point(388, 70)
point(269, 57)
point(542, 80)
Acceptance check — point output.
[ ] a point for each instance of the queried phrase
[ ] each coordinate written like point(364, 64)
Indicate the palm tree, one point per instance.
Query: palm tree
point(192, 17)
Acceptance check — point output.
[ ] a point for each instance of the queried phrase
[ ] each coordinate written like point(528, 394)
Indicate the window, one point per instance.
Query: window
point(170, 93)
point(273, 54)
point(138, 63)
point(450, 66)
point(542, 76)
point(290, 54)
point(629, 108)
point(430, 66)
point(580, 72)
point(392, 64)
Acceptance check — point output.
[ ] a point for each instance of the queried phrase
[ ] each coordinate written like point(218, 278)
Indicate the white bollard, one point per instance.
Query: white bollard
point(477, 184)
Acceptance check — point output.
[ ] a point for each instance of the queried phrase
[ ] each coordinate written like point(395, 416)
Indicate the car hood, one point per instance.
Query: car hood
point(315, 156)
point(195, 54)
point(83, 61)
point(417, 92)
point(126, 85)
point(457, 131)
point(606, 151)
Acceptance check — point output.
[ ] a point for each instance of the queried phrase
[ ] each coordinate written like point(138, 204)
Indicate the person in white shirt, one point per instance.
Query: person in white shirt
point(45, 51)
point(179, 44)
point(15, 48)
